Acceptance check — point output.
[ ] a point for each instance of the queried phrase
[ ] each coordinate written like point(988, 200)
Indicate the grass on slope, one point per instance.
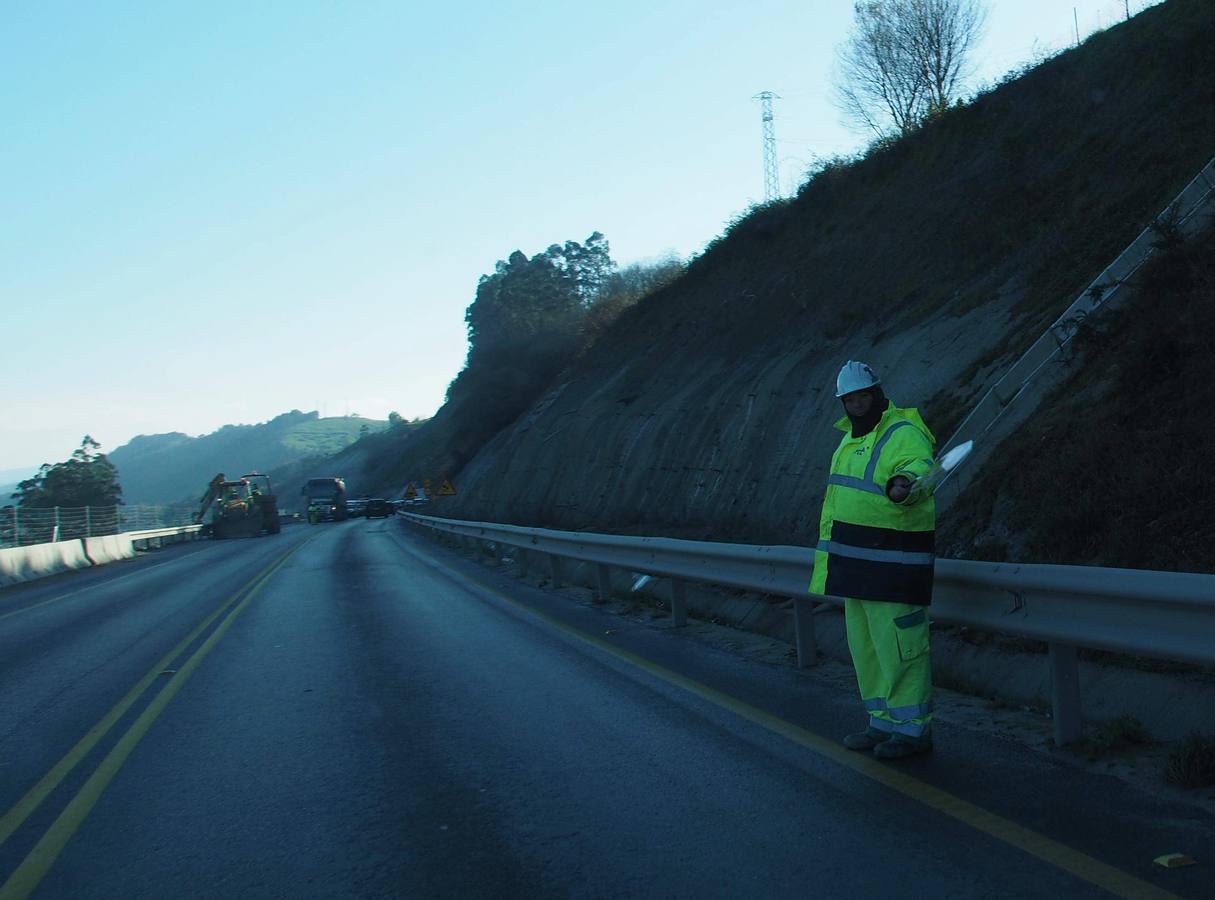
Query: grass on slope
point(325, 437)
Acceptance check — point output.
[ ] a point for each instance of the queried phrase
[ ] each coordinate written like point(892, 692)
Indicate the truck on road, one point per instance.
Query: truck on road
point(325, 499)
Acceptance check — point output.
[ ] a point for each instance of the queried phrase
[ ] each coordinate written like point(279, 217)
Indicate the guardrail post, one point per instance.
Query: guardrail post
point(554, 564)
point(679, 603)
point(803, 631)
point(1065, 693)
point(604, 583)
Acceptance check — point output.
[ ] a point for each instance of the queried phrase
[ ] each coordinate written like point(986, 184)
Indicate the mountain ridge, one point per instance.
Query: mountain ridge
point(172, 467)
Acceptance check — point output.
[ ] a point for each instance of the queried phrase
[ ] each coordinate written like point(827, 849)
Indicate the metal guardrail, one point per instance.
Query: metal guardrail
point(178, 533)
point(1162, 615)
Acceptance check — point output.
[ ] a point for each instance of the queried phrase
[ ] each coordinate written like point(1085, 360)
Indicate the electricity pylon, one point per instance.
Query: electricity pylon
point(771, 178)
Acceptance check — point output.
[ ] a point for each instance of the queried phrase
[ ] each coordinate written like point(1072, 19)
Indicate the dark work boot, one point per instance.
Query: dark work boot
point(866, 740)
point(902, 746)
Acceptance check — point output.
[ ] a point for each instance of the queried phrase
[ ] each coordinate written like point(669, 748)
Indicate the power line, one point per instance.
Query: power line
point(771, 179)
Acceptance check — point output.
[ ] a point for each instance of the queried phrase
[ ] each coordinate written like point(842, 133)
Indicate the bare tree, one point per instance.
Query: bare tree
point(941, 34)
point(904, 59)
point(877, 82)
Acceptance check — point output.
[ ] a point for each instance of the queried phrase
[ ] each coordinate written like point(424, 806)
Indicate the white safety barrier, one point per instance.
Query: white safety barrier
point(18, 564)
point(1162, 615)
point(108, 549)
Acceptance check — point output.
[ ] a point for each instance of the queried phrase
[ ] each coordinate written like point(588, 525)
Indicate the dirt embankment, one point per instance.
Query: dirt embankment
point(707, 410)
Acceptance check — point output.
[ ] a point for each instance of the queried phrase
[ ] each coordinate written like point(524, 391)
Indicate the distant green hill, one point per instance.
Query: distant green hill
point(173, 467)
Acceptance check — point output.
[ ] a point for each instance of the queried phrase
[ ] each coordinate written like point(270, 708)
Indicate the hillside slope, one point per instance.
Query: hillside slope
point(707, 411)
point(1110, 469)
point(170, 468)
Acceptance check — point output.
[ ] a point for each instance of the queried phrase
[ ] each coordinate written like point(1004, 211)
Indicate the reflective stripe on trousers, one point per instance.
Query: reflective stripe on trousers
point(890, 653)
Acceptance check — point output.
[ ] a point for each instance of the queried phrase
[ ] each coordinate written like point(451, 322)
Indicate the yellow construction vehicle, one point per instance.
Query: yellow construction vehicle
point(241, 508)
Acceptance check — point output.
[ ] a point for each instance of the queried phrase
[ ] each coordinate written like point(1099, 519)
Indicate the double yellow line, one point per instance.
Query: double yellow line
point(40, 859)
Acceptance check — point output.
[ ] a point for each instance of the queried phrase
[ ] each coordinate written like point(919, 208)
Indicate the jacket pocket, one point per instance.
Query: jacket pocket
point(911, 634)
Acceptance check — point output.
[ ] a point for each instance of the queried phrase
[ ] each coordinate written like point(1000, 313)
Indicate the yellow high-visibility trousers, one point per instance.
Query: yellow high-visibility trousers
point(889, 647)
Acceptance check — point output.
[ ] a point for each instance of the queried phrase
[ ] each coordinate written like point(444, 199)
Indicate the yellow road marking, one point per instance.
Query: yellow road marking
point(39, 860)
point(1083, 866)
point(20, 811)
point(91, 587)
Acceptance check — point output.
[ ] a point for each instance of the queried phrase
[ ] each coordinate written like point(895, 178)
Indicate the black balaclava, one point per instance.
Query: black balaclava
point(862, 425)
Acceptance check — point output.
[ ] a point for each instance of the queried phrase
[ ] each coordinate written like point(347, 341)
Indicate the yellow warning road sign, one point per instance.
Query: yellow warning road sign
point(446, 489)
point(411, 492)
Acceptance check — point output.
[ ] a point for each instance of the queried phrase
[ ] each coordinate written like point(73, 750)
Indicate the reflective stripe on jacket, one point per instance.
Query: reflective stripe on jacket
point(871, 548)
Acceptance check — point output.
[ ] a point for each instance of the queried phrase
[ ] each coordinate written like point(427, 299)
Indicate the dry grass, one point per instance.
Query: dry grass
point(1192, 763)
point(1118, 734)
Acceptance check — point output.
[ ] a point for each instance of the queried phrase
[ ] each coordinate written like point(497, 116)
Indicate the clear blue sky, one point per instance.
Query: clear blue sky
point(218, 212)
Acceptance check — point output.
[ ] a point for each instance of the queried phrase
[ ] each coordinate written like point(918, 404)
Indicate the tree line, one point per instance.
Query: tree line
point(87, 478)
point(529, 319)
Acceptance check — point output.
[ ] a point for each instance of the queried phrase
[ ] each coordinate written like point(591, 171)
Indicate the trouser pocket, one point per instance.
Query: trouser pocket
point(911, 634)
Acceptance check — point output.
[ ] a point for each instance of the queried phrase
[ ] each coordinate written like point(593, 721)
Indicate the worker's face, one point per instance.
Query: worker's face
point(858, 403)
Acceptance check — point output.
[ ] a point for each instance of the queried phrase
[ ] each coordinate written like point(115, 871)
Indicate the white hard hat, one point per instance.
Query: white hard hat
point(854, 376)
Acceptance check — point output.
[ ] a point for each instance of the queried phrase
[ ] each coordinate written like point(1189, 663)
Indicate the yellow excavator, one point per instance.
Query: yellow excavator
point(241, 508)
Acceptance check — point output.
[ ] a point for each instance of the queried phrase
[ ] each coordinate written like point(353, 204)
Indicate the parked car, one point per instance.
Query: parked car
point(379, 508)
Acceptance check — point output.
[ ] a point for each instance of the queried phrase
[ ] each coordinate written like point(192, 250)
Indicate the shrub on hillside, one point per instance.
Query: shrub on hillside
point(623, 289)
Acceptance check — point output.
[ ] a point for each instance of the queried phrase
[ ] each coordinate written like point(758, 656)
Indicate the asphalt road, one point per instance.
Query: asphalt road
point(350, 710)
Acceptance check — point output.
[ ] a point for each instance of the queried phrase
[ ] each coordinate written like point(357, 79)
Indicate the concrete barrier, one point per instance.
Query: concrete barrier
point(19, 564)
point(108, 549)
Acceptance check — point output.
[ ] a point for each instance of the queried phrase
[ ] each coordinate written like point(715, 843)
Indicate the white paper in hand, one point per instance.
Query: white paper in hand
point(945, 464)
point(950, 460)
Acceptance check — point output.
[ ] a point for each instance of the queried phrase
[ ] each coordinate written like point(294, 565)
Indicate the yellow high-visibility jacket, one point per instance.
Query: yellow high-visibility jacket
point(869, 547)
